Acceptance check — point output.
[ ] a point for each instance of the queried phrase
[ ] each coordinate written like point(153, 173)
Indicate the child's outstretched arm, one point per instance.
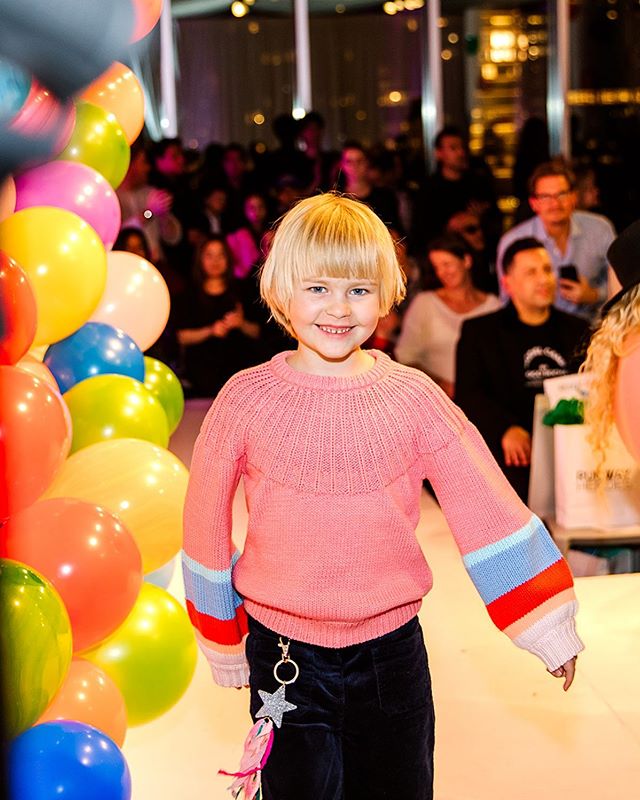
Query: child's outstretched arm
point(215, 609)
point(514, 563)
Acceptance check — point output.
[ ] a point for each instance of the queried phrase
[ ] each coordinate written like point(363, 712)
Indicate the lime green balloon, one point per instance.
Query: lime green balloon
point(99, 142)
point(114, 407)
point(163, 384)
point(35, 642)
point(151, 657)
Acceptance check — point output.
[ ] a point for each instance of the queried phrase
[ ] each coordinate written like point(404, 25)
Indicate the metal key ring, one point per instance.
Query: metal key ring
point(293, 664)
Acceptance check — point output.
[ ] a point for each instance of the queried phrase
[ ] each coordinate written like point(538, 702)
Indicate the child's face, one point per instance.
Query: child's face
point(331, 318)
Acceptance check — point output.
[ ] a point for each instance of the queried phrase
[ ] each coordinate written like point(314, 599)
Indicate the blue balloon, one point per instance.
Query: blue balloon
point(14, 88)
point(67, 759)
point(94, 349)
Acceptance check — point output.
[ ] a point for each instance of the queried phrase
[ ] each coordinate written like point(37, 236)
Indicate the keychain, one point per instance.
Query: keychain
point(259, 741)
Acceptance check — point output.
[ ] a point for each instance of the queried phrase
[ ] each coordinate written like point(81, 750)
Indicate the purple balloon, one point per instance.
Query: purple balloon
point(74, 187)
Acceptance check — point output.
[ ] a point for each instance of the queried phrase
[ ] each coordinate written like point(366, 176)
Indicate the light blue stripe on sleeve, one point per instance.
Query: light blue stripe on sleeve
point(210, 590)
point(506, 568)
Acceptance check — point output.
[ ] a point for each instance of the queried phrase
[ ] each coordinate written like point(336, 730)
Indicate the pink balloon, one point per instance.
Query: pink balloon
point(627, 396)
point(76, 188)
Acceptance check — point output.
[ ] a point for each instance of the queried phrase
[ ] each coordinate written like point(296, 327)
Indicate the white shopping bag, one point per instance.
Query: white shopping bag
point(587, 497)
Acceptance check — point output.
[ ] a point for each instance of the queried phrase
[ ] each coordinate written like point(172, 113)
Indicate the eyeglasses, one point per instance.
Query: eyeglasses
point(549, 198)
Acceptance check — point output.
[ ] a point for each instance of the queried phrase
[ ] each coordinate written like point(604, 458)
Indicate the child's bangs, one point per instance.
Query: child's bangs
point(339, 247)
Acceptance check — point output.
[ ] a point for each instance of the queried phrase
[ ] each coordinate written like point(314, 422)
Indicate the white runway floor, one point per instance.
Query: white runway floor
point(505, 729)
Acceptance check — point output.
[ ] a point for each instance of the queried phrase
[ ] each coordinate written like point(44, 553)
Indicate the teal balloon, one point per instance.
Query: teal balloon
point(15, 84)
point(163, 384)
point(35, 642)
point(115, 407)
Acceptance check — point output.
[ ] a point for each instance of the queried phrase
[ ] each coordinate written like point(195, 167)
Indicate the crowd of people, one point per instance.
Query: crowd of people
point(489, 313)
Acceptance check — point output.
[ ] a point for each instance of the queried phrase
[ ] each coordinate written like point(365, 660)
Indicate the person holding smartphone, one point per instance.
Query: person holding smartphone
point(577, 241)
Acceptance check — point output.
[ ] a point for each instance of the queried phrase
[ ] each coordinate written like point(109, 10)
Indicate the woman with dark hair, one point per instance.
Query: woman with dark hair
point(133, 240)
point(432, 323)
point(216, 338)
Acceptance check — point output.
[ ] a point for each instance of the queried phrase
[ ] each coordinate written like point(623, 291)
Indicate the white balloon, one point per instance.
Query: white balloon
point(136, 298)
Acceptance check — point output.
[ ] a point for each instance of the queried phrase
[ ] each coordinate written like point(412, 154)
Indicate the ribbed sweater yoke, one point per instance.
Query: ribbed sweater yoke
point(327, 435)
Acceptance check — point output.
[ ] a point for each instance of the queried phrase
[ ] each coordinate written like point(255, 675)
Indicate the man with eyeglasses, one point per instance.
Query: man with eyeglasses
point(577, 241)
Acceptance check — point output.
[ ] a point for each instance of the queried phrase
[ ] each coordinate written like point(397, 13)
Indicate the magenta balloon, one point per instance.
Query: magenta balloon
point(76, 188)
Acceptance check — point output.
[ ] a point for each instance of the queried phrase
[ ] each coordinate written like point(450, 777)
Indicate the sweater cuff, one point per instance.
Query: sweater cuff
point(558, 646)
point(228, 676)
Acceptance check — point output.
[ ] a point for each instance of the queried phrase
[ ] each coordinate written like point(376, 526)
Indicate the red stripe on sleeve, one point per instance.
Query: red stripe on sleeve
point(524, 598)
point(229, 631)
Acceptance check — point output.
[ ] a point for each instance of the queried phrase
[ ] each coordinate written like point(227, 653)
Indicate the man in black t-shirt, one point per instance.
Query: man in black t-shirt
point(503, 358)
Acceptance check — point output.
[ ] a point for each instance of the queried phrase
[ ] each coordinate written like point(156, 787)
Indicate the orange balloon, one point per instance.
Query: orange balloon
point(87, 554)
point(147, 13)
point(627, 395)
point(35, 437)
point(89, 695)
point(7, 198)
point(118, 90)
point(39, 370)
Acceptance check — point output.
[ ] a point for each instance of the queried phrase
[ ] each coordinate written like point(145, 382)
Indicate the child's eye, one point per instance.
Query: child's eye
point(316, 289)
point(359, 291)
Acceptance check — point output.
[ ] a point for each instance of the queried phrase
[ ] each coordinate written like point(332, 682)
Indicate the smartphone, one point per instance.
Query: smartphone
point(569, 272)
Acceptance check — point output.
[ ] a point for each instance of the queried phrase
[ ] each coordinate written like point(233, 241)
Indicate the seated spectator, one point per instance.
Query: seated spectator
point(133, 240)
point(355, 181)
point(216, 337)
point(431, 324)
point(320, 163)
point(577, 239)
point(244, 242)
point(503, 358)
point(146, 207)
point(483, 272)
point(455, 185)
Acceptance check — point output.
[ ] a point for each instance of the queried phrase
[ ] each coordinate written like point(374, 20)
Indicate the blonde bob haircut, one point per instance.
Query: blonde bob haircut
point(329, 235)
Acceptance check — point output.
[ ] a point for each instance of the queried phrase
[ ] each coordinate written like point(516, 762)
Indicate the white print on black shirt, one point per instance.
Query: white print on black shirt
point(541, 363)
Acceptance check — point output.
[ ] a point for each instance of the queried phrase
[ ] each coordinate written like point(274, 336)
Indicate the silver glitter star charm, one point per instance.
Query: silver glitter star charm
point(274, 705)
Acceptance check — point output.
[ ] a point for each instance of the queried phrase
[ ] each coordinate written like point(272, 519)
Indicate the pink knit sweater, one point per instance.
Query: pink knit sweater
point(332, 471)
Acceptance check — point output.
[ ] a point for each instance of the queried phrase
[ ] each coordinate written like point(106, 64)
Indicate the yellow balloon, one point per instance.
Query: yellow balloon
point(151, 657)
point(65, 262)
point(142, 483)
point(118, 91)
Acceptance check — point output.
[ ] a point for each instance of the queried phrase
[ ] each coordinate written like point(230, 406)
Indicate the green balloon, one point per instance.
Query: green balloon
point(151, 657)
point(163, 383)
point(114, 407)
point(99, 142)
point(35, 642)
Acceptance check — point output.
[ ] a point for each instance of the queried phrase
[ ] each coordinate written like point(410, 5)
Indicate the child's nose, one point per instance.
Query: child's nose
point(339, 307)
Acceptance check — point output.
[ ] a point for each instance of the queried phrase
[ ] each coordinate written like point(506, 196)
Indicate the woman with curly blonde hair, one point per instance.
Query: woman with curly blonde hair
point(615, 340)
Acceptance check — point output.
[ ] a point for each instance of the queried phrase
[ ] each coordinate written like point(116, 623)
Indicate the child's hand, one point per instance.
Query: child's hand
point(566, 671)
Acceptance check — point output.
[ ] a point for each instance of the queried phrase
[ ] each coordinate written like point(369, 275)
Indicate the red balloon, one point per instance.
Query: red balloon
point(87, 554)
point(627, 395)
point(17, 311)
point(35, 437)
point(89, 695)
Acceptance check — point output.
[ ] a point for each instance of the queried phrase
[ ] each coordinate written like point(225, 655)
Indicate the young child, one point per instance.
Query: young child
point(333, 443)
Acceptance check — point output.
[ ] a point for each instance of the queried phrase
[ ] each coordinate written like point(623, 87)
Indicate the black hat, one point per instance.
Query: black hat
point(624, 256)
